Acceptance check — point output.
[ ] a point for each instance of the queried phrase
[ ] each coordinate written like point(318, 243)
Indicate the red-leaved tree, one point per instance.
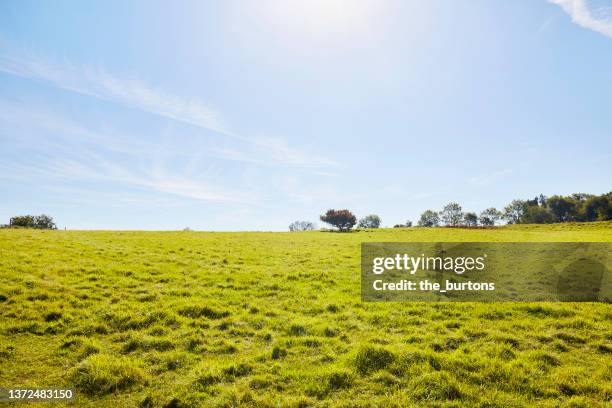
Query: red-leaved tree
point(344, 220)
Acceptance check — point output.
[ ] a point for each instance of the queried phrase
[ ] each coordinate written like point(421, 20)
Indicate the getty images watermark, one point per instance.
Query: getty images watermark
point(486, 271)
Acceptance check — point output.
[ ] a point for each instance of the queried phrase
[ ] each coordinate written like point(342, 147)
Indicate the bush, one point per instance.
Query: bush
point(344, 220)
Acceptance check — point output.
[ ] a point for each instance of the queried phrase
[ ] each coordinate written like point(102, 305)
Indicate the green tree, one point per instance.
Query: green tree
point(537, 215)
point(490, 216)
point(33, 221)
point(598, 208)
point(370, 221)
point(513, 212)
point(25, 221)
point(44, 222)
point(470, 219)
point(429, 219)
point(563, 208)
point(451, 214)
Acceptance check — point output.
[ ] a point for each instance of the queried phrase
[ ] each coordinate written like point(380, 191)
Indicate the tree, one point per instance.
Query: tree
point(369, 221)
point(542, 200)
point(470, 219)
point(33, 221)
point(598, 208)
point(563, 208)
point(429, 219)
point(451, 214)
point(537, 215)
point(44, 222)
point(408, 224)
point(301, 226)
point(513, 212)
point(344, 220)
point(580, 197)
point(489, 217)
point(25, 221)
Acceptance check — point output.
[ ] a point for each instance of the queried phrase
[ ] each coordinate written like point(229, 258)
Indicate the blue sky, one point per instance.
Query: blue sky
point(248, 115)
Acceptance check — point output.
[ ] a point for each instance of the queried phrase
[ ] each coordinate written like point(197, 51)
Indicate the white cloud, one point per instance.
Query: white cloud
point(596, 19)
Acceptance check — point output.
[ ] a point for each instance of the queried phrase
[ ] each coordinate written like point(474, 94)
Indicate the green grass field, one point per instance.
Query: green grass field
point(275, 319)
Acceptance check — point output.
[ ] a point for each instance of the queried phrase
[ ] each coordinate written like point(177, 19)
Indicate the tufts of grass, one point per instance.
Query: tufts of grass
point(195, 312)
point(123, 321)
point(237, 370)
point(102, 374)
point(297, 330)
point(6, 351)
point(208, 376)
point(322, 385)
point(435, 386)
point(370, 359)
point(137, 342)
point(169, 361)
point(339, 379)
point(278, 352)
point(82, 346)
point(53, 316)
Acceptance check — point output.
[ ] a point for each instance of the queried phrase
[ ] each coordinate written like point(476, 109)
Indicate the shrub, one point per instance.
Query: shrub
point(344, 220)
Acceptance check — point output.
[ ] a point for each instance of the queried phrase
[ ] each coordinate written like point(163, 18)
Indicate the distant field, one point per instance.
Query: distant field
point(275, 319)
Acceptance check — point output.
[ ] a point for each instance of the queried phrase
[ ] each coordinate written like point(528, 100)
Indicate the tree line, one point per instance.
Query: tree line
point(578, 207)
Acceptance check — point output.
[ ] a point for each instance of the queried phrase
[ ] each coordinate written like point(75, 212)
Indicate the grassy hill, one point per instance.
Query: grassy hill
point(269, 319)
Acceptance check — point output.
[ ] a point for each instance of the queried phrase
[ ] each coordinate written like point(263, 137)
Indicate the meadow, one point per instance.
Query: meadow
point(187, 319)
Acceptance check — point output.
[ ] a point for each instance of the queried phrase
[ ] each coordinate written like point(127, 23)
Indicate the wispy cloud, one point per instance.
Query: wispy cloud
point(597, 19)
point(97, 82)
point(62, 151)
point(92, 168)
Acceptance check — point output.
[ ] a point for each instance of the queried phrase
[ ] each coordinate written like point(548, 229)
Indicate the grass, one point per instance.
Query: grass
point(181, 319)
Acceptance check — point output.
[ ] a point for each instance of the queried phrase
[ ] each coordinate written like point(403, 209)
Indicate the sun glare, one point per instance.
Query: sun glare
point(327, 21)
